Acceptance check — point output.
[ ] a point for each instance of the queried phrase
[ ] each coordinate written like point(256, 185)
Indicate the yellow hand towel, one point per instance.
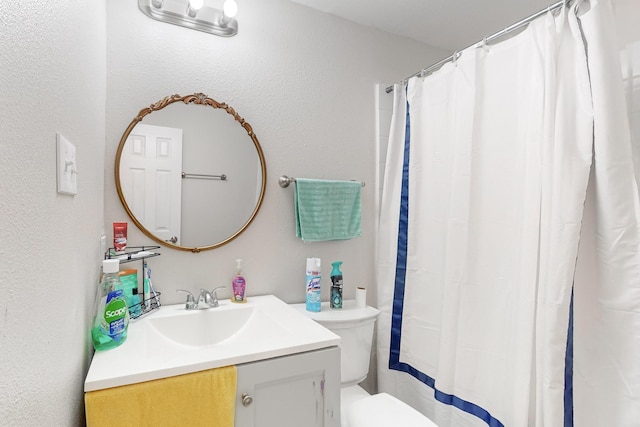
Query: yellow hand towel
point(205, 398)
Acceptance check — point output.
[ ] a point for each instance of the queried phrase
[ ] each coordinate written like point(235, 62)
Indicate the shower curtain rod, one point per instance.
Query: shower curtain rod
point(485, 41)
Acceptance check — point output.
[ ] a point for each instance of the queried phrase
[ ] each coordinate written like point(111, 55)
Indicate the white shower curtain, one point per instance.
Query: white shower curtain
point(607, 284)
point(485, 183)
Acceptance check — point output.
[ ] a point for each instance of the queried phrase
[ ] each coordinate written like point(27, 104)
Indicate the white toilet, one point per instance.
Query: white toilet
point(359, 408)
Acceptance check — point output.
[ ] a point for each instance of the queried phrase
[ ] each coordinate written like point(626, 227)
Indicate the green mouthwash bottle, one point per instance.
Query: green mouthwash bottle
point(112, 315)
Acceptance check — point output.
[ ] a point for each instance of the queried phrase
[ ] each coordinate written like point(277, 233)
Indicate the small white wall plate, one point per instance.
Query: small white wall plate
point(67, 171)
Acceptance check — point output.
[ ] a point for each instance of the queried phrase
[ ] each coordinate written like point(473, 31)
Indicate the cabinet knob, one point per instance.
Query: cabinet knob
point(247, 400)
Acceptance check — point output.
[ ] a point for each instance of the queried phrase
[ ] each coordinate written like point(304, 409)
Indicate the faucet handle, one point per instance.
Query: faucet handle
point(216, 288)
point(191, 303)
point(214, 296)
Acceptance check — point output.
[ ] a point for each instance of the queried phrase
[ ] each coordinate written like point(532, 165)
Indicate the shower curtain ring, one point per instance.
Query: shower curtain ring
point(485, 45)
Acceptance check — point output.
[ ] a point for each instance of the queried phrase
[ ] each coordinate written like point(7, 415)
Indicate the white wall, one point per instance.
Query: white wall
point(52, 79)
point(305, 81)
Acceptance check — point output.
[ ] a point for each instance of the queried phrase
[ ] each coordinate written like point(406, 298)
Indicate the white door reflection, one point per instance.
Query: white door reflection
point(152, 169)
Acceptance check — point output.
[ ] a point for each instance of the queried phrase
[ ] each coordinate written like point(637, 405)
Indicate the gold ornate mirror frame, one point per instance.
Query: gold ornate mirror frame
point(202, 99)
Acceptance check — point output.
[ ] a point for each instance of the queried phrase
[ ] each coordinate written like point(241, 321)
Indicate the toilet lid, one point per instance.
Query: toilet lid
point(384, 410)
point(348, 313)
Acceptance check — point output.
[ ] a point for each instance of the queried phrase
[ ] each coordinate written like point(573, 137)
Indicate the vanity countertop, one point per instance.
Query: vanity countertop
point(272, 328)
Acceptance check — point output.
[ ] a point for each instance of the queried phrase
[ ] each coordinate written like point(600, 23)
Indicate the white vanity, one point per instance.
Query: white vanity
point(290, 391)
point(288, 366)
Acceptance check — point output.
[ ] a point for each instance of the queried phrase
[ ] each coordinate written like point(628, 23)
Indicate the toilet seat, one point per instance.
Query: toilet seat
point(383, 410)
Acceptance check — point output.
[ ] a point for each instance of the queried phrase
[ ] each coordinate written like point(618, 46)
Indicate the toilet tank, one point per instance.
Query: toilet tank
point(355, 327)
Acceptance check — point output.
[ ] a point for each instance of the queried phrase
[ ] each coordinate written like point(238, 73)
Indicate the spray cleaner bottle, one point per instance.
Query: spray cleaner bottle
point(336, 285)
point(313, 301)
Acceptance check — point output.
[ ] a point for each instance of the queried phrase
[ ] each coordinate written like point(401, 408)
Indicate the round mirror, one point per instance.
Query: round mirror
point(192, 175)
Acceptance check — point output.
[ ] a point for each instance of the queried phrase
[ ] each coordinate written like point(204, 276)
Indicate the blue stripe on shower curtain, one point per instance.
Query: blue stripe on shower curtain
point(568, 371)
point(401, 258)
point(398, 301)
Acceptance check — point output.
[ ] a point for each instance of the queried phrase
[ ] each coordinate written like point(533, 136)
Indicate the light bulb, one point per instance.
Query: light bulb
point(193, 7)
point(230, 8)
point(196, 4)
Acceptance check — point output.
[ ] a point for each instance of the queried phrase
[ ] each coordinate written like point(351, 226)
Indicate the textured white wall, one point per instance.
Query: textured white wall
point(52, 79)
point(305, 81)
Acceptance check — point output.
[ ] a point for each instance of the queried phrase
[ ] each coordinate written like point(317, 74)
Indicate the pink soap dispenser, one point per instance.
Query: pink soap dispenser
point(239, 284)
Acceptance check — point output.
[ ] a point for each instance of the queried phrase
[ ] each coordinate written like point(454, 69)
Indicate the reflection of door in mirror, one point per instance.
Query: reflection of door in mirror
point(212, 144)
point(152, 169)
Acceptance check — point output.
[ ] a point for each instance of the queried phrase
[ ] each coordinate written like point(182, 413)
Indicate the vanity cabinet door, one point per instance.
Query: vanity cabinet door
point(301, 390)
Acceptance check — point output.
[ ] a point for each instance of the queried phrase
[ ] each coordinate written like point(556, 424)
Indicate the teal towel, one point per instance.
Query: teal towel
point(327, 210)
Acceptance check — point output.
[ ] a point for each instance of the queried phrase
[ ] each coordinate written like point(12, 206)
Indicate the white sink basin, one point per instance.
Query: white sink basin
point(202, 328)
point(174, 341)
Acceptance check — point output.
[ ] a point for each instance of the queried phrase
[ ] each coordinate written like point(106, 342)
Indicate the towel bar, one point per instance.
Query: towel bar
point(285, 180)
point(222, 177)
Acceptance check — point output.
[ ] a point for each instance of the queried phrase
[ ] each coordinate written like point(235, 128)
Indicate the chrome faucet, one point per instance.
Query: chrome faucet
point(205, 300)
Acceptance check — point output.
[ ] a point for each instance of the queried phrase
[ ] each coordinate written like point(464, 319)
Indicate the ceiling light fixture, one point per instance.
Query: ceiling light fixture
point(194, 14)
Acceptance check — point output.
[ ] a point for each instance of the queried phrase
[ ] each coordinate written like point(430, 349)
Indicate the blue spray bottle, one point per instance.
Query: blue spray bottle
point(336, 285)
